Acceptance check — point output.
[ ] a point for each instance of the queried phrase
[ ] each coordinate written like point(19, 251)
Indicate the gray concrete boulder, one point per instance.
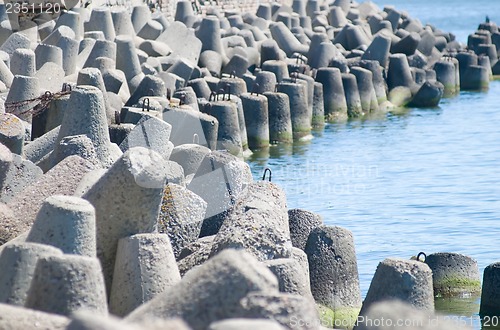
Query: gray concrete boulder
point(406, 280)
point(196, 254)
point(181, 216)
point(400, 96)
point(41, 146)
point(63, 179)
point(291, 277)
point(453, 274)
point(394, 312)
point(86, 114)
point(144, 268)
point(216, 288)
point(229, 135)
point(16, 317)
point(490, 295)
point(79, 145)
point(67, 223)
point(399, 73)
point(378, 50)
point(12, 133)
point(301, 222)
point(189, 156)
point(286, 40)
point(428, 95)
point(200, 243)
point(189, 125)
point(245, 324)
point(334, 271)
point(139, 175)
point(18, 261)
point(151, 133)
point(291, 311)
point(67, 283)
point(258, 223)
point(84, 320)
point(220, 180)
point(16, 174)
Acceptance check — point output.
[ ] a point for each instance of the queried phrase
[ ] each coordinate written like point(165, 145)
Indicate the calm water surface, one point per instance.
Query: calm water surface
point(458, 16)
point(418, 180)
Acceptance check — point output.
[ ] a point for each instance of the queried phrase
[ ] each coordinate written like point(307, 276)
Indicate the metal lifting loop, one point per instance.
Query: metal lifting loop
point(421, 254)
point(196, 139)
point(267, 170)
point(213, 96)
point(144, 106)
point(151, 92)
point(66, 87)
point(223, 92)
point(233, 74)
point(227, 88)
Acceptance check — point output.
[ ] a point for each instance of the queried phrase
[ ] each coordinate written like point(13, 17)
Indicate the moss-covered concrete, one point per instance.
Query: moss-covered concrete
point(450, 90)
point(318, 121)
point(284, 137)
point(339, 115)
point(456, 286)
point(255, 142)
point(341, 318)
point(300, 132)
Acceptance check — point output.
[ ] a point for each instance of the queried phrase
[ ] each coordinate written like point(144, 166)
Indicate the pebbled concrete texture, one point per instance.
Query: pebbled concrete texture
point(186, 100)
point(216, 287)
point(62, 179)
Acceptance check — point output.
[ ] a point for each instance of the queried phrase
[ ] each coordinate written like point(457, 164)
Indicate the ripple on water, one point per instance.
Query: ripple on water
point(423, 180)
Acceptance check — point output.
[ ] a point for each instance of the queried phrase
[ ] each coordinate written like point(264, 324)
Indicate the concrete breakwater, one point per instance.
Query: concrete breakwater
point(130, 197)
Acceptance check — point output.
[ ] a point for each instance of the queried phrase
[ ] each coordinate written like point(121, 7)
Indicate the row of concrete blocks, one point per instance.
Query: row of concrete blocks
point(486, 42)
point(145, 268)
point(82, 97)
point(422, 51)
point(351, 94)
point(76, 236)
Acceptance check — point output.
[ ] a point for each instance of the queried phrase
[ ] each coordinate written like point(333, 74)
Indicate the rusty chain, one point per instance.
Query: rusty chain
point(35, 106)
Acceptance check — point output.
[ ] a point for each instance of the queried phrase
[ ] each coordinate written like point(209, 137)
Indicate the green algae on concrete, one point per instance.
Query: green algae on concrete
point(341, 318)
point(456, 286)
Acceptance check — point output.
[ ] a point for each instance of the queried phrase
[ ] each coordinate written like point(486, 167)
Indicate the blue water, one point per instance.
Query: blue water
point(418, 180)
point(460, 17)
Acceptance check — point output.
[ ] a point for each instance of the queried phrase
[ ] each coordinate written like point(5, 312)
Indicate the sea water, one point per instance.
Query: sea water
point(415, 180)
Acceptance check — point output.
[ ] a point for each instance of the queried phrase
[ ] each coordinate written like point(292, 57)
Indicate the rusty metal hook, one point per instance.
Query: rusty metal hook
point(267, 170)
point(223, 92)
point(144, 104)
point(213, 96)
point(66, 87)
point(421, 254)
